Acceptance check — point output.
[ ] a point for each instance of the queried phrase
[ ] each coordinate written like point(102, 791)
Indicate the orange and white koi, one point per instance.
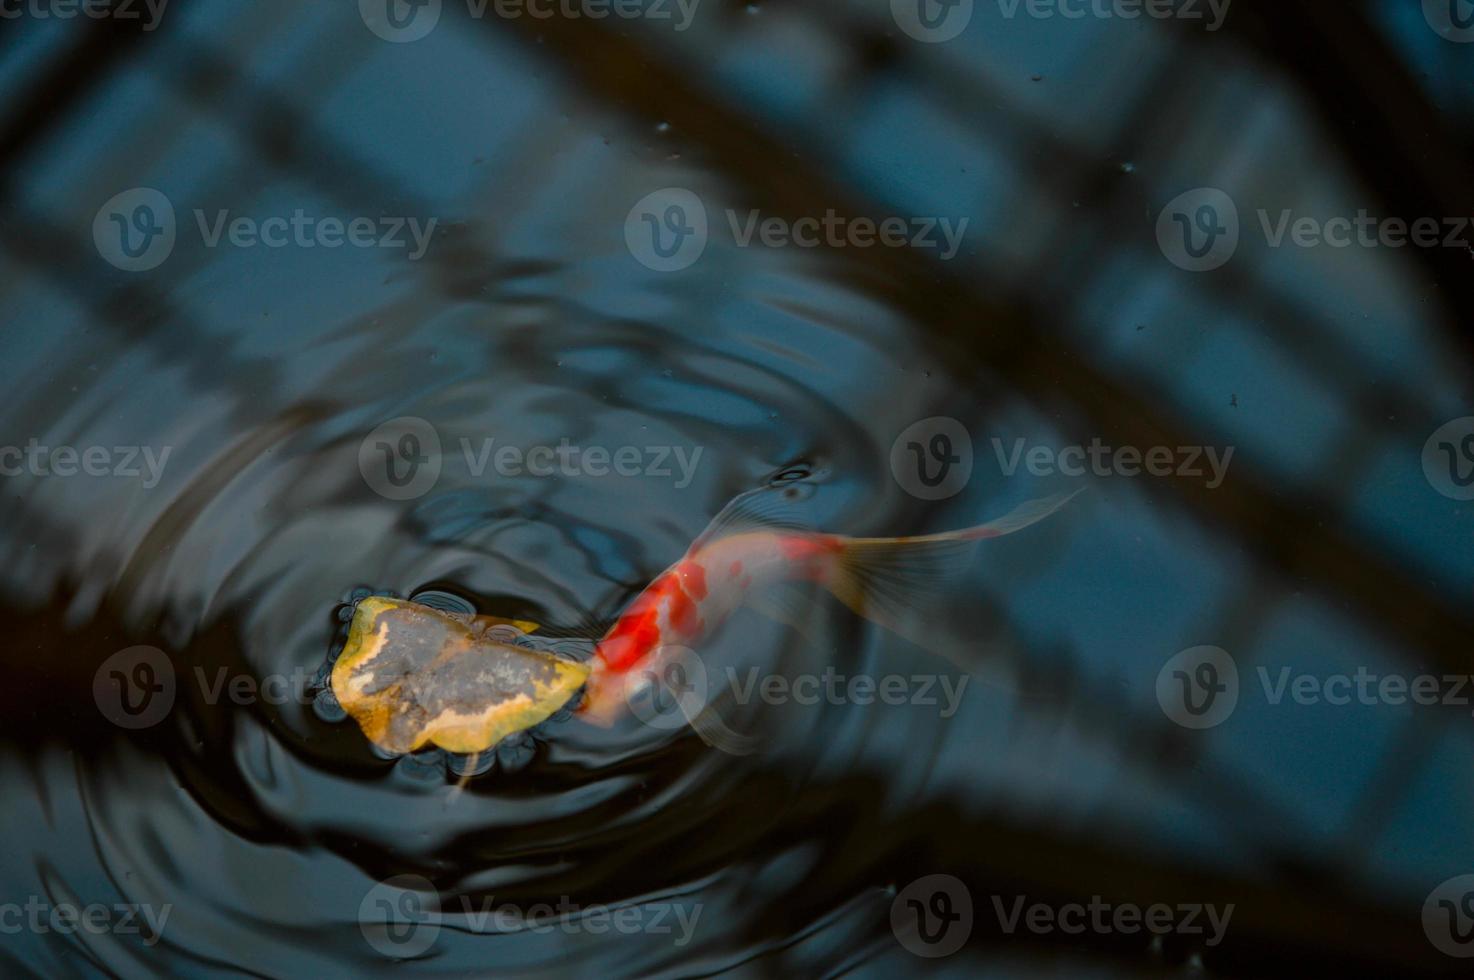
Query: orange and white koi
point(744, 553)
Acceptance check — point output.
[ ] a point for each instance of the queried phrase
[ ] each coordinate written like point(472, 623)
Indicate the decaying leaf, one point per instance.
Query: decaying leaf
point(411, 675)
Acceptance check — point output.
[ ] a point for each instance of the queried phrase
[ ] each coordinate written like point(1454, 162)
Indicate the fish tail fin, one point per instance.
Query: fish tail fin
point(883, 579)
point(1028, 513)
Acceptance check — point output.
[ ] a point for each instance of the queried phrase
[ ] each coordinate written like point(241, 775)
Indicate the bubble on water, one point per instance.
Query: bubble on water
point(444, 601)
point(515, 752)
point(428, 765)
point(385, 754)
point(792, 473)
point(509, 634)
point(327, 708)
point(459, 764)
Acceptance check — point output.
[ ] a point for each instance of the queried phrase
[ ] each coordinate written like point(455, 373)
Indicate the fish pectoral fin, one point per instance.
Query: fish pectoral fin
point(714, 731)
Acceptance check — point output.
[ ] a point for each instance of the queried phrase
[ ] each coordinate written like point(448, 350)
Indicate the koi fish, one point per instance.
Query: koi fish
point(747, 556)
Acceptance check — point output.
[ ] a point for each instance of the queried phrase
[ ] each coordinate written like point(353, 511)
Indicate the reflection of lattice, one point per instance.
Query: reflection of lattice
point(1022, 345)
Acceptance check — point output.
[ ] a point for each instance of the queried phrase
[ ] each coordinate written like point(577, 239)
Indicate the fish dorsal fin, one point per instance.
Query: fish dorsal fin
point(762, 509)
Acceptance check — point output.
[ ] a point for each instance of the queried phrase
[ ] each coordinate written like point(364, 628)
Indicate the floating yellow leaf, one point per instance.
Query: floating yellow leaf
point(412, 675)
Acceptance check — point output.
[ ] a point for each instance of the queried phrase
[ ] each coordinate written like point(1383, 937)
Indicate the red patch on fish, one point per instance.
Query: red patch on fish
point(809, 554)
point(633, 637)
point(638, 632)
point(693, 579)
point(680, 609)
point(735, 570)
point(806, 547)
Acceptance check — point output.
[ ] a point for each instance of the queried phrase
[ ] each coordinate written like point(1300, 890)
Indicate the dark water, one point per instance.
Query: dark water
point(266, 421)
